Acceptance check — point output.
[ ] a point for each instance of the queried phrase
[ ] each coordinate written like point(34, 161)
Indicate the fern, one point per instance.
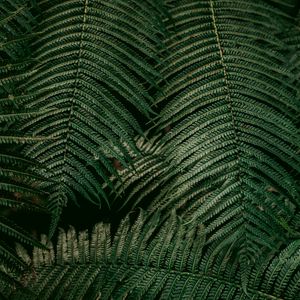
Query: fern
point(19, 179)
point(95, 66)
point(229, 156)
point(150, 260)
point(231, 104)
point(189, 107)
point(16, 23)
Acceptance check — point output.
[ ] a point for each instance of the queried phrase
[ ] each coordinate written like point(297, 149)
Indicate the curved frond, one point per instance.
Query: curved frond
point(231, 103)
point(95, 66)
point(150, 260)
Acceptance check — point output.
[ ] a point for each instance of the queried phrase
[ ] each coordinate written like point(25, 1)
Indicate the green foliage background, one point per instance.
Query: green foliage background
point(173, 125)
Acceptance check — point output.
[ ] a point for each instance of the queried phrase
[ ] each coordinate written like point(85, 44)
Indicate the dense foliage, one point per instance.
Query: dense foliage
point(176, 123)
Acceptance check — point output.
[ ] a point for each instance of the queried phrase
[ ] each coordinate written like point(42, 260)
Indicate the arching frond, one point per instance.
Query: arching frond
point(95, 66)
point(231, 102)
point(150, 260)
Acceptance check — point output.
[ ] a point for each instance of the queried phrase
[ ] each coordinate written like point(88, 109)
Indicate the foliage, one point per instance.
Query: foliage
point(151, 260)
point(188, 109)
point(19, 179)
point(94, 60)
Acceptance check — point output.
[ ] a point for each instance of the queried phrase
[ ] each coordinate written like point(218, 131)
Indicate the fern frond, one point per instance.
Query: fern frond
point(95, 66)
point(16, 23)
point(231, 102)
point(150, 259)
point(20, 182)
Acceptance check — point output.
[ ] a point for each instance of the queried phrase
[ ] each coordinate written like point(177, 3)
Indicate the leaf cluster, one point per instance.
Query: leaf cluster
point(187, 109)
